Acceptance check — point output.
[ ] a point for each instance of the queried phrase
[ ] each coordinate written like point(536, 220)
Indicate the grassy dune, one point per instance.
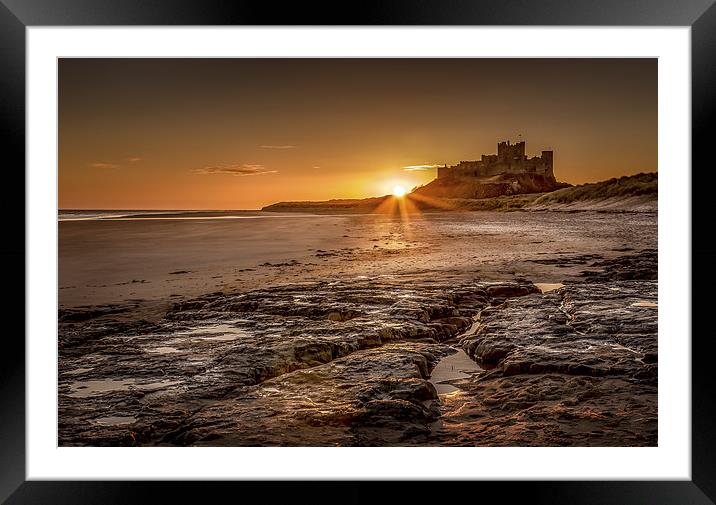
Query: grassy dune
point(639, 185)
point(499, 203)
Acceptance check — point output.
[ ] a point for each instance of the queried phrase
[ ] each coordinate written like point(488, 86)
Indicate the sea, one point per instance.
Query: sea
point(131, 215)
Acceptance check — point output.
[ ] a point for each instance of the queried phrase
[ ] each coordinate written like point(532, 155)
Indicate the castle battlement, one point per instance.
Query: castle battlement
point(510, 159)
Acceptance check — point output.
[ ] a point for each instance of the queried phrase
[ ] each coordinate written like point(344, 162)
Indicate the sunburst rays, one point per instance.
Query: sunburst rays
point(410, 204)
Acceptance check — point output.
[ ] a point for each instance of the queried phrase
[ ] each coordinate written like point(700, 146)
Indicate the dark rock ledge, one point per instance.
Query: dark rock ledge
point(347, 363)
point(360, 351)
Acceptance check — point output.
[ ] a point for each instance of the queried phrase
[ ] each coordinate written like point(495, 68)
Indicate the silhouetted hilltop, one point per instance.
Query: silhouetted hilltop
point(629, 193)
point(356, 205)
point(489, 187)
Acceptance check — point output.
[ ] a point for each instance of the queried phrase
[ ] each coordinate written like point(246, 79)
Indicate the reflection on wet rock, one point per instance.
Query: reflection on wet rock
point(374, 362)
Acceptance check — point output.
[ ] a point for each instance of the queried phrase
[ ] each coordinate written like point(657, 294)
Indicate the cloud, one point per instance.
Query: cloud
point(103, 165)
point(413, 168)
point(277, 147)
point(235, 170)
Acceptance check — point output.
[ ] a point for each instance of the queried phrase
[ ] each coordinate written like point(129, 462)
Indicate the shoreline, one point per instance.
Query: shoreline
point(518, 203)
point(111, 262)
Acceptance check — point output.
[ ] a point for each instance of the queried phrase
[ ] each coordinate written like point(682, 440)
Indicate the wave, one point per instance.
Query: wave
point(137, 215)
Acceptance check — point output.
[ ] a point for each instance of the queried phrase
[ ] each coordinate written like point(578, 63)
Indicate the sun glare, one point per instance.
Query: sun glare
point(399, 191)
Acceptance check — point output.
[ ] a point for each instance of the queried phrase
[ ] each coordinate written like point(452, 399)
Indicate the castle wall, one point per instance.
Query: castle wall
point(510, 159)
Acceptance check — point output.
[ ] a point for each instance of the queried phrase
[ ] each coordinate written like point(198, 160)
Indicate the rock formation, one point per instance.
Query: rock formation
point(348, 362)
point(509, 172)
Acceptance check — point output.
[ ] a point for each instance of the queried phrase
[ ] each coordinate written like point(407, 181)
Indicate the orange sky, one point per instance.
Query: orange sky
point(244, 133)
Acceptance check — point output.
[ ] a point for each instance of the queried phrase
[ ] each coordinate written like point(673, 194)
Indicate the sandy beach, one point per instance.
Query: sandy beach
point(150, 259)
point(460, 328)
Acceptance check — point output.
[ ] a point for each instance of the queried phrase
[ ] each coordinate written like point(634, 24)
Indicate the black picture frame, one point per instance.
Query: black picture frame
point(16, 15)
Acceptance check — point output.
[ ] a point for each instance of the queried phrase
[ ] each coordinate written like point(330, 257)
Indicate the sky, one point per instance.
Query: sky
point(245, 133)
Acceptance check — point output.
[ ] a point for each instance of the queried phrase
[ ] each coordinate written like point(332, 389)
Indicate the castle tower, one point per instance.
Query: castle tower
point(502, 150)
point(443, 172)
point(507, 152)
point(548, 157)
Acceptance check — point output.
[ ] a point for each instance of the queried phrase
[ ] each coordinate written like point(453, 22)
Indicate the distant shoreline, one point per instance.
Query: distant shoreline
point(636, 193)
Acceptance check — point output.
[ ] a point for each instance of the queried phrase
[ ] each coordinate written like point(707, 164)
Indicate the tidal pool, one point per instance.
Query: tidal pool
point(456, 366)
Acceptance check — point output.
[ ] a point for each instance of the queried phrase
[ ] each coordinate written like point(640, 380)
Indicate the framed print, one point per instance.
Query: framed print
point(417, 244)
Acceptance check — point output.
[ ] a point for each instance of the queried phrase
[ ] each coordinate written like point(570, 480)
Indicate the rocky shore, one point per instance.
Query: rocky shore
point(349, 361)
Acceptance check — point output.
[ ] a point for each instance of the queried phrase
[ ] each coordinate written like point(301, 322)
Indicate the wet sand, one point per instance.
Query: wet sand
point(148, 261)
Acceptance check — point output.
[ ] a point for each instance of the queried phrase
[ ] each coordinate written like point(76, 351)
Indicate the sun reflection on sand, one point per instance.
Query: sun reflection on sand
point(409, 203)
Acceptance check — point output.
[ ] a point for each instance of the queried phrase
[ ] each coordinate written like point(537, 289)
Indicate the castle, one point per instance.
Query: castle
point(510, 159)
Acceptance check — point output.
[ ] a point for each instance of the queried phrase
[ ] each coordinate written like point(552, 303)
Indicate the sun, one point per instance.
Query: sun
point(399, 191)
